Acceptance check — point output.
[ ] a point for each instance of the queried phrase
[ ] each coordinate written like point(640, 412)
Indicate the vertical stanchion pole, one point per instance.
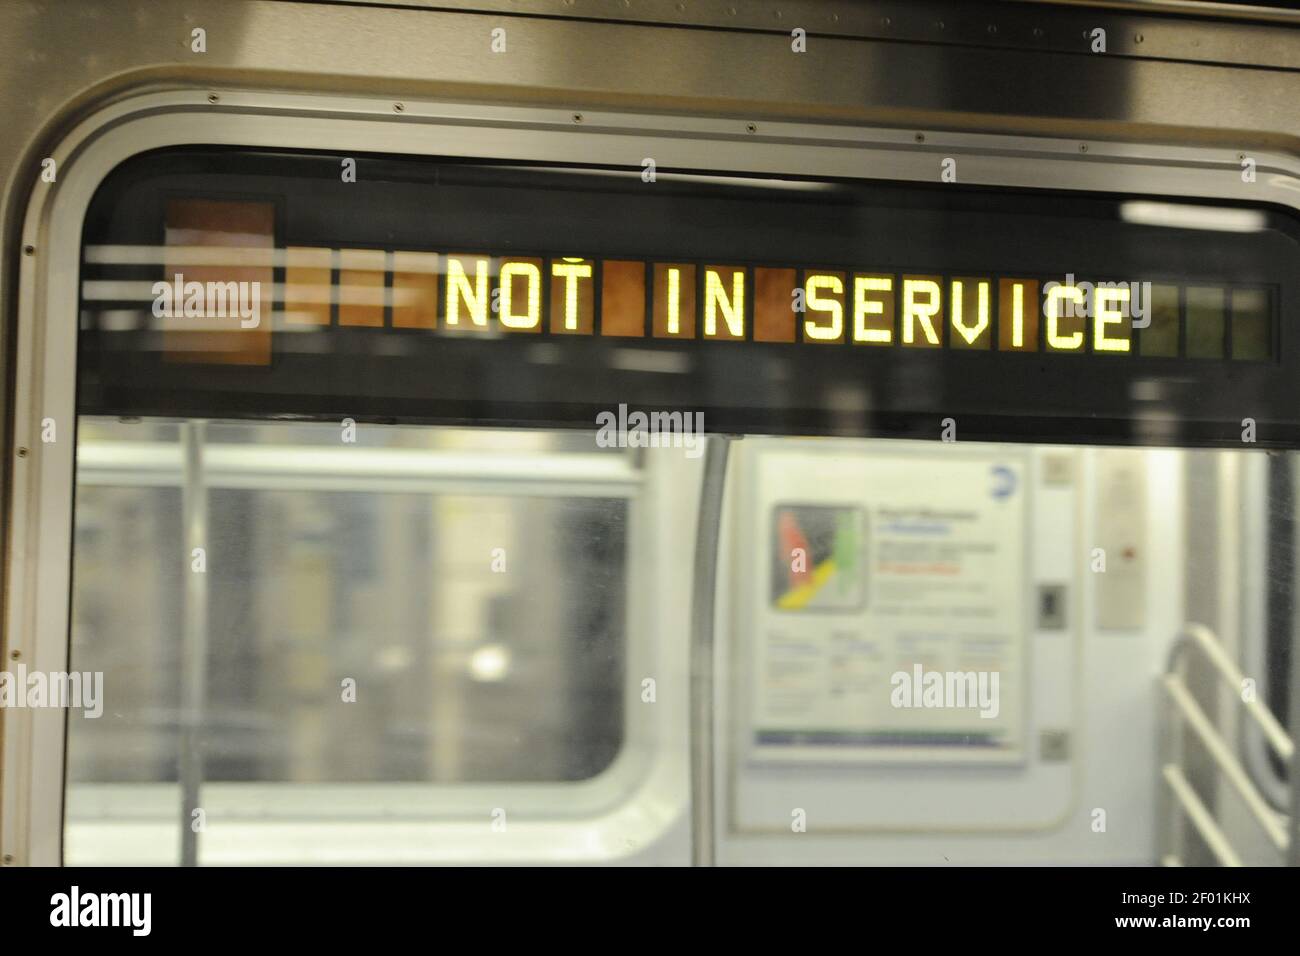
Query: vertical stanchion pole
point(194, 637)
point(707, 534)
point(1293, 728)
point(1293, 685)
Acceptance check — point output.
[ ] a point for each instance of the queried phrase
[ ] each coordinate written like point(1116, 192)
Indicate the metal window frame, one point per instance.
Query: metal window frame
point(40, 531)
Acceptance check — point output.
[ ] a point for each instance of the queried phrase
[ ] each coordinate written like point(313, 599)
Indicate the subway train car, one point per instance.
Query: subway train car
point(716, 432)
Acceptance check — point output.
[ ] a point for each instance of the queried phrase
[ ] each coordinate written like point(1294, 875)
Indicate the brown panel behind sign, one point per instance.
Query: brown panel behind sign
point(216, 307)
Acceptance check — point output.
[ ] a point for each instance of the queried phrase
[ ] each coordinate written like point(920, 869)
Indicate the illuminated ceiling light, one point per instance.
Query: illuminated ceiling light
point(489, 663)
point(1179, 216)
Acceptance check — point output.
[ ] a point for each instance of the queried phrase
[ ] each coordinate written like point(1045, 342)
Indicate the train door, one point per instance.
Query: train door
point(499, 504)
point(1006, 654)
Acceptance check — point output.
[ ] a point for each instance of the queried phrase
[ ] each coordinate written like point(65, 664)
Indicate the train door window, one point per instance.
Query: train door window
point(436, 442)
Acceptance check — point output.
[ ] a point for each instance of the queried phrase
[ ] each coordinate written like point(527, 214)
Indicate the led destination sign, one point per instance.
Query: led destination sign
point(445, 292)
point(460, 293)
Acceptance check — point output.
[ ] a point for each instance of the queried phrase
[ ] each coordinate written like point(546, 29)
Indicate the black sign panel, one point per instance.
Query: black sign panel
point(223, 283)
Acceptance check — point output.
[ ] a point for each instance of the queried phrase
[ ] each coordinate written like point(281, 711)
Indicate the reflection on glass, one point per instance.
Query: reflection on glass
point(1206, 322)
point(353, 635)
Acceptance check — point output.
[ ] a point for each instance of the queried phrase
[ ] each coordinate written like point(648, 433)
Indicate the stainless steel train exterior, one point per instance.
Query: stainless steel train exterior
point(1103, 761)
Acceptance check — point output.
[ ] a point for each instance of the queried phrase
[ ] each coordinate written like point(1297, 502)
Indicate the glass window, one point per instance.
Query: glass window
point(347, 548)
point(356, 629)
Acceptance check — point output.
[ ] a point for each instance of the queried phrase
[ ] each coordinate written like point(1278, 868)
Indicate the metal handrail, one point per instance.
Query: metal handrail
point(1201, 818)
point(1201, 638)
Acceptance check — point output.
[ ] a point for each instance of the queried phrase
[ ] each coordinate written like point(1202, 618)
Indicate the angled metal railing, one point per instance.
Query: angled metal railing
point(1180, 799)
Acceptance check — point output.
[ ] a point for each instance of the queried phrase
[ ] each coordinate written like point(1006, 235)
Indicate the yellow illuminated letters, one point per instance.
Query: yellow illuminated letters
point(674, 301)
point(863, 307)
point(832, 308)
point(715, 300)
point(970, 333)
point(827, 302)
point(1052, 307)
point(922, 311)
point(1103, 300)
point(571, 270)
point(458, 289)
point(532, 316)
point(1018, 315)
